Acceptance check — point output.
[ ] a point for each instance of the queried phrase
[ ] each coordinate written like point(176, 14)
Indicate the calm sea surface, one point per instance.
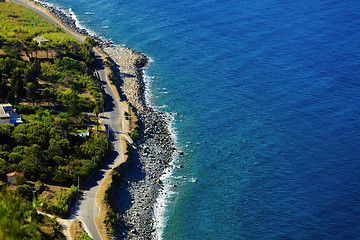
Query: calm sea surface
point(268, 100)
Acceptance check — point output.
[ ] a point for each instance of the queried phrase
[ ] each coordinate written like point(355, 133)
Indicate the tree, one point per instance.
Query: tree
point(33, 72)
point(49, 95)
point(12, 48)
point(18, 218)
point(34, 47)
point(6, 133)
point(19, 134)
point(2, 39)
point(73, 105)
point(90, 43)
point(15, 157)
point(63, 124)
point(3, 168)
point(3, 89)
point(37, 133)
point(59, 146)
point(24, 191)
point(17, 86)
point(31, 91)
point(97, 112)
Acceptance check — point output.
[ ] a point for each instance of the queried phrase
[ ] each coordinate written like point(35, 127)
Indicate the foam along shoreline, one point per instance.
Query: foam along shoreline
point(69, 19)
point(152, 153)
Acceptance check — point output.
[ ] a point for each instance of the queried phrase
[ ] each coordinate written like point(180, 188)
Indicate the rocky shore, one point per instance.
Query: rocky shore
point(141, 181)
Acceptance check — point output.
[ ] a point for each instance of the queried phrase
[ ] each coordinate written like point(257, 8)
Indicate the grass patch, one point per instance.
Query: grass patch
point(18, 22)
point(134, 134)
point(78, 232)
point(62, 203)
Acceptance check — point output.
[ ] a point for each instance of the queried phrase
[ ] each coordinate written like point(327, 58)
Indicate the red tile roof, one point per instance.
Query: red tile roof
point(14, 173)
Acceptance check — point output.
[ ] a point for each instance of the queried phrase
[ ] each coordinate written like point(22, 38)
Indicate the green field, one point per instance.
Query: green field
point(18, 22)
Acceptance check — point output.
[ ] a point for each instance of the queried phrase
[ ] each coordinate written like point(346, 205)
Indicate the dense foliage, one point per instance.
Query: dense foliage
point(63, 199)
point(54, 89)
point(47, 150)
point(19, 220)
point(57, 73)
point(17, 217)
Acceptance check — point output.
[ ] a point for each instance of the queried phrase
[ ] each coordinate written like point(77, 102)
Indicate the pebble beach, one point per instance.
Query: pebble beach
point(150, 156)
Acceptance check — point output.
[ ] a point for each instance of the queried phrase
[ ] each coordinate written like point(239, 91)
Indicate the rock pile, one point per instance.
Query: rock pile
point(153, 152)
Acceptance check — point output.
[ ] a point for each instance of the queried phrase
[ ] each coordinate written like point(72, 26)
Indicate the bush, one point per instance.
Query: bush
point(134, 135)
point(15, 214)
point(23, 109)
point(19, 180)
point(63, 201)
point(85, 236)
point(24, 191)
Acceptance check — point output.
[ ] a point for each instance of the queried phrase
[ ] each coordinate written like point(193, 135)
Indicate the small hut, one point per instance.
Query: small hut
point(41, 40)
point(11, 177)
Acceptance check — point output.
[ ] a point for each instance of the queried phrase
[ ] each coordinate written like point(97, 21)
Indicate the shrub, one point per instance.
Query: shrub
point(85, 236)
point(63, 201)
point(17, 217)
point(134, 135)
point(24, 191)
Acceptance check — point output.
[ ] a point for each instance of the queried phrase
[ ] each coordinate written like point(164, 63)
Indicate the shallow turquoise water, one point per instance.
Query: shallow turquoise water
point(268, 99)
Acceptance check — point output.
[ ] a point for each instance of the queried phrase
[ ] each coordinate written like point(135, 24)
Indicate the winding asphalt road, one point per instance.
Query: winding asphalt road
point(86, 210)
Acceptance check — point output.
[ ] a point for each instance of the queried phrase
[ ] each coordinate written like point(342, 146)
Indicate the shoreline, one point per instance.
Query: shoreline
point(70, 22)
point(152, 154)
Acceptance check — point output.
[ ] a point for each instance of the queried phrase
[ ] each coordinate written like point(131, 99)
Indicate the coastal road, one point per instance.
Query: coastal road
point(86, 209)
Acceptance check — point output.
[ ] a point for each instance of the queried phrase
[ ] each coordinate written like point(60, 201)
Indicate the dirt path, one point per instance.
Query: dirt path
point(65, 224)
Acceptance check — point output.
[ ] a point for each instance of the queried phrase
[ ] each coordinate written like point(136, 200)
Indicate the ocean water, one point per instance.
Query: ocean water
point(265, 97)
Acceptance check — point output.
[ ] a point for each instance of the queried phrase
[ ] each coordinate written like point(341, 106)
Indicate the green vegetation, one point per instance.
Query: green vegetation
point(47, 150)
point(56, 73)
point(58, 89)
point(63, 199)
point(112, 219)
point(53, 87)
point(85, 236)
point(134, 134)
point(19, 220)
point(17, 217)
point(77, 231)
point(21, 24)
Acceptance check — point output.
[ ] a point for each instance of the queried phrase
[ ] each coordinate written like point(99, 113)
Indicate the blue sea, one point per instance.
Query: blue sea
point(266, 102)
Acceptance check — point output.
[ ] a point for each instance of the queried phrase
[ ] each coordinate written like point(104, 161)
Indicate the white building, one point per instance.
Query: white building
point(9, 115)
point(41, 40)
